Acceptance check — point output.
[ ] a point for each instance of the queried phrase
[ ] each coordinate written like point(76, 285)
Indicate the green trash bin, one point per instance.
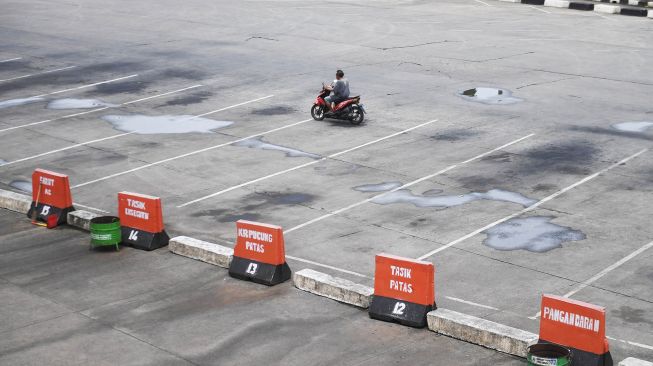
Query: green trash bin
point(105, 230)
point(548, 354)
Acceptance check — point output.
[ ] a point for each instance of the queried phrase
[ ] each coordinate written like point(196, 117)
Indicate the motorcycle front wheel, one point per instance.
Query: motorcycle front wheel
point(357, 115)
point(317, 112)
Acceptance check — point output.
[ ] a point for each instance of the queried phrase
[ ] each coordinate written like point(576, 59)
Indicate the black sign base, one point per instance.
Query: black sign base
point(44, 211)
point(399, 311)
point(585, 358)
point(264, 273)
point(144, 240)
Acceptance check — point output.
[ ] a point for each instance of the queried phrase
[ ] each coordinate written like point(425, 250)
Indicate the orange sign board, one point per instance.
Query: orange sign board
point(50, 188)
point(404, 279)
point(573, 323)
point(260, 242)
point(140, 211)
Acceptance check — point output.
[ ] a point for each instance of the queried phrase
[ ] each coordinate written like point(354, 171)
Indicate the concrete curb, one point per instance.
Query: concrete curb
point(481, 331)
point(201, 250)
point(557, 3)
point(334, 288)
point(631, 361)
point(15, 201)
point(608, 9)
point(600, 8)
point(81, 219)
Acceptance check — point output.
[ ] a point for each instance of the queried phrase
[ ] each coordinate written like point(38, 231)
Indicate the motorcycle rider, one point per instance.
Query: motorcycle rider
point(339, 89)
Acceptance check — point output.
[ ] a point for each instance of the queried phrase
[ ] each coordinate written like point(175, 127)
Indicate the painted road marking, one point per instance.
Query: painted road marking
point(64, 149)
point(605, 271)
point(302, 165)
point(531, 207)
point(538, 9)
point(482, 2)
point(89, 207)
point(85, 86)
point(188, 154)
point(99, 109)
point(11, 59)
point(37, 73)
point(327, 266)
point(405, 185)
point(472, 303)
point(115, 136)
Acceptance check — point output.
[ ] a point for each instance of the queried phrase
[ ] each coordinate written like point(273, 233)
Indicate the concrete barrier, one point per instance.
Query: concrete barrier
point(557, 3)
point(334, 288)
point(481, 331)
point(605, 8)
point(631, 361)
point(15, 201)
point(81, 219)
point(201, 250)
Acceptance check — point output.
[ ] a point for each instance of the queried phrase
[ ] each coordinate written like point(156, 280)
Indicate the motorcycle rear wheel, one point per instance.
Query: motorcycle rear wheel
point(357, 115)
point(317, 112)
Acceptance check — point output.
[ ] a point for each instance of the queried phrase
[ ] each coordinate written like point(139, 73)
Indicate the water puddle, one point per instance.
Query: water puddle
point(258, 143)
point(21, 185)
point(142, 124)
point(379, 187)
point(535, 234)
point(70, 103)
point(16, 102)
point(406, 196)
point(489, 96)
point(638, 127)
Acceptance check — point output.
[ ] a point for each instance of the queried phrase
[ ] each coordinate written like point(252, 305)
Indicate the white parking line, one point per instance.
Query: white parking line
point(320, 218)
point(89, 207)
point(605, 271)
point(482, 2)
point(112, 137)
point(188, 154)
point(531, 207)
point(302, 165)
point(64, 149)
point(645, 346)
point(471, 303)
point(37, 73)
point(538, 9)
point(85, 86)
point(11, 59)
point(327, 266)
point(98, 109)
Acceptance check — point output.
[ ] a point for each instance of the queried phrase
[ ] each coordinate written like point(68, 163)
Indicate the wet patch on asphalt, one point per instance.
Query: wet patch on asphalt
point(534, 234)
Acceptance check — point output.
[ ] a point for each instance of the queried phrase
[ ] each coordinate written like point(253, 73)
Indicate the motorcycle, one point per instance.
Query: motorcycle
point(349, 109)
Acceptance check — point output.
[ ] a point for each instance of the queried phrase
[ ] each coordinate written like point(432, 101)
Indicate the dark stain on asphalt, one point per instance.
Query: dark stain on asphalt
point(631, 315)
point(454, 135)
point(255, 202)
point(225, 216)
point(502, 157)
point(274, 110)
point(544, 187)
point(479, 182)
point(418, 222)
point(611, 132)
point(571, 157)
point(194, 98)
point(16, 64)
point(122, 87)
point(74, 77)
point(184, 74)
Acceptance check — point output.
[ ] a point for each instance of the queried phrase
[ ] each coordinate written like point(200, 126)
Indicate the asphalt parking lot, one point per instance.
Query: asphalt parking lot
point(542, 189)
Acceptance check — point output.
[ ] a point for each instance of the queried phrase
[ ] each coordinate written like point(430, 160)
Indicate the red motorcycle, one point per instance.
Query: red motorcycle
point(349, 109)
